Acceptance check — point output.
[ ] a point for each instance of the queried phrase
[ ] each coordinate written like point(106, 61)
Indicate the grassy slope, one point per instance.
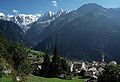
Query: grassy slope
point(8, 78)
point(42, 79)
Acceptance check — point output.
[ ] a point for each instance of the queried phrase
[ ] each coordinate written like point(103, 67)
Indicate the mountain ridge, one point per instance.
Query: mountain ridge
point(82, 33)
point(58, 22)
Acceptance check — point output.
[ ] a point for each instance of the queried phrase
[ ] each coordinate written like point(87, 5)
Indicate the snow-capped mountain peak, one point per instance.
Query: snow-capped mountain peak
point(23, 20)
point(2, 16)
point(60, 12)
point(49, 14)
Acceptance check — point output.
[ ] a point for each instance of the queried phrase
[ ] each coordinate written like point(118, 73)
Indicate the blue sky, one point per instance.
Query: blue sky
point(37, 6)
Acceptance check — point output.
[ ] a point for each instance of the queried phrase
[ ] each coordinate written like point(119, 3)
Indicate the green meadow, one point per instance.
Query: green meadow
point(32, 78)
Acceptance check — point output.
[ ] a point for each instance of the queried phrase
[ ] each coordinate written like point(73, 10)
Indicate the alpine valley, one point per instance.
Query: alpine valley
point(81, 34)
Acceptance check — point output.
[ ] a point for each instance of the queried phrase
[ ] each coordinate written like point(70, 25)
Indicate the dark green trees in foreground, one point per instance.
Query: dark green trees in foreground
point(46, 65)
point(111, 74)
point(19, 58)
point(15, 56)
point(55, 66)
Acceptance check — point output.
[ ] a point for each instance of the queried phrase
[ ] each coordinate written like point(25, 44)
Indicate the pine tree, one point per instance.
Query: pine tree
point(46, 65)
point(64, 65)
point(55, 65)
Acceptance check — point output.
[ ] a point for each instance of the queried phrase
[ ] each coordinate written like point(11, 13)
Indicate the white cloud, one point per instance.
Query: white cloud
point(15, 11)
point(55, 3)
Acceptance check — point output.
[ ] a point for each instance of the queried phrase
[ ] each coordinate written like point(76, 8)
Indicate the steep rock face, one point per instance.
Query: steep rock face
point(88, 30)
point(38, 27)
point(11, 31)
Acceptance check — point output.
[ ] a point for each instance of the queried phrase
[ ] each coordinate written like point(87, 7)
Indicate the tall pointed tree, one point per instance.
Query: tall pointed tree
point(55, 65)
point(46, 65)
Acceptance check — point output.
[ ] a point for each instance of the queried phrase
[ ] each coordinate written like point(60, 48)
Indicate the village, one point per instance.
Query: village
point(84, 69)
point(90, 70)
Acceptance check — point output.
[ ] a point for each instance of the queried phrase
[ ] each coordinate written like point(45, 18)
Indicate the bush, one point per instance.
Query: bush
point(111, 74)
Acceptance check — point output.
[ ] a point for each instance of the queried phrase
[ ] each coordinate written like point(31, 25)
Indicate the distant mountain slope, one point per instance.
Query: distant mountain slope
point(92, 28)
point(11, 31)
point(59, 22)
point(38, 27)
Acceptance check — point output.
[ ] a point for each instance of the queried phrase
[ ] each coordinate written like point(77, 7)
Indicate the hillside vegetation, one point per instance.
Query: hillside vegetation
point(14, 61)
